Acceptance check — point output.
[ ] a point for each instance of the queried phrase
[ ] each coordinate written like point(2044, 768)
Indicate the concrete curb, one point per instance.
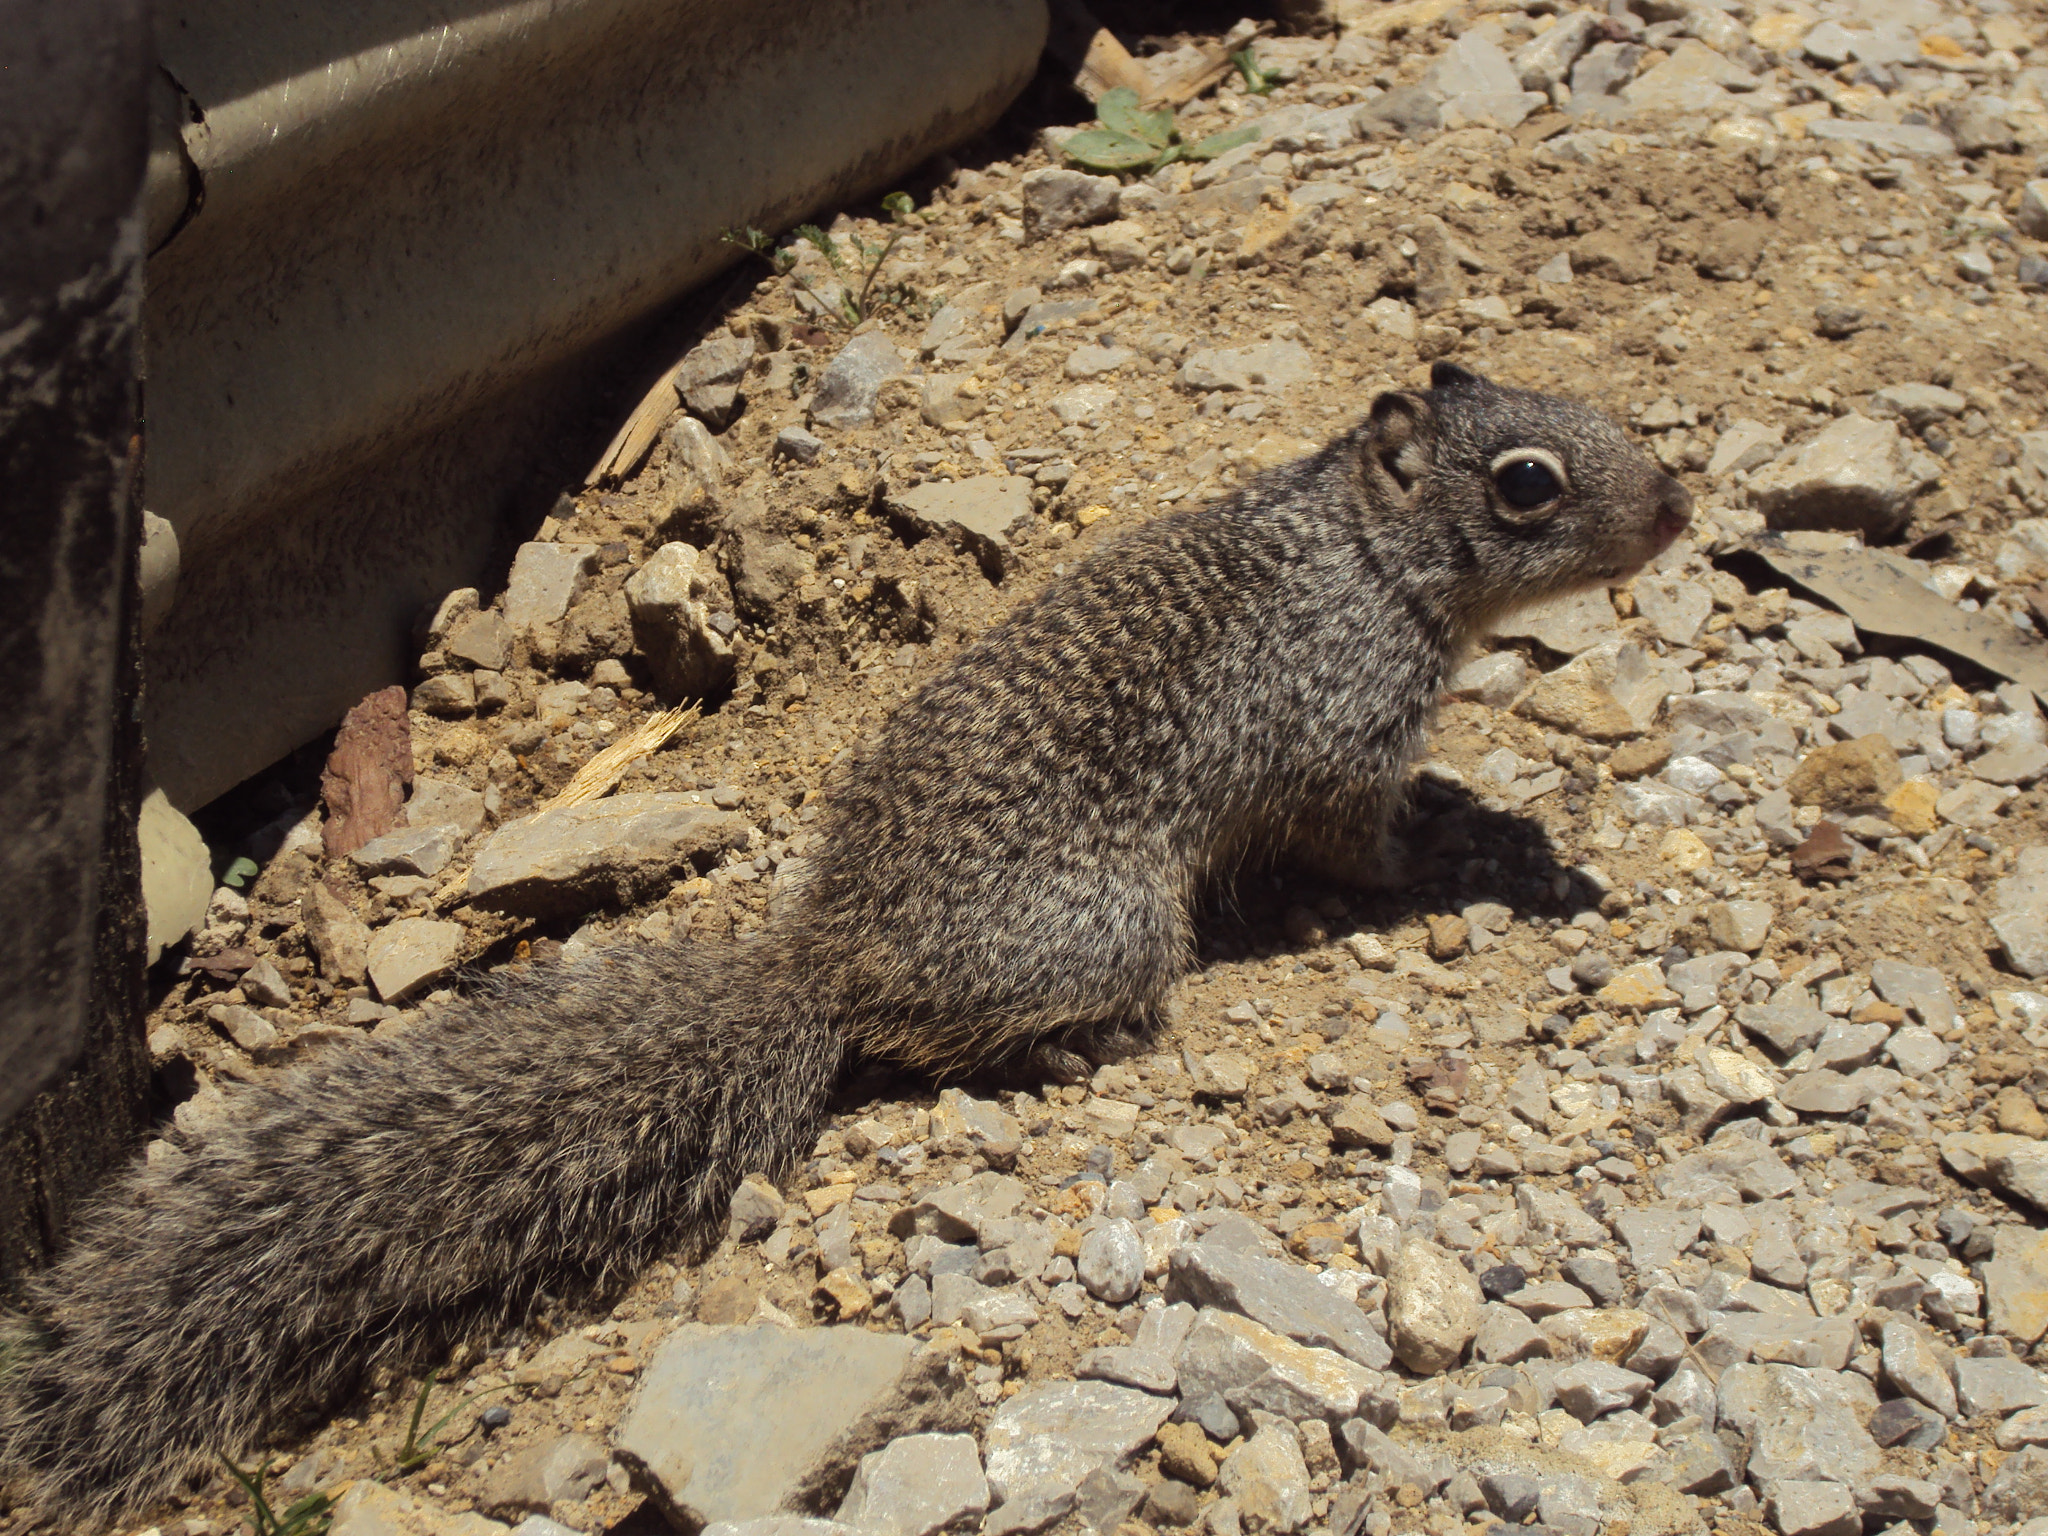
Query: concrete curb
point(399, 243)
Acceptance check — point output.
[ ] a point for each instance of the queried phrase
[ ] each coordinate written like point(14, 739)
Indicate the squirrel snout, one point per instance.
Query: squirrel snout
point(1673, 504)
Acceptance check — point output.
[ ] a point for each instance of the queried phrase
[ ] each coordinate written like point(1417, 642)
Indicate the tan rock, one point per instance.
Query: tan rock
point(2016, 1114)
point(1684, 851)
point(1634, 759)
point(1597, 1333)
point(1433, 1307)
point(1910, 807)
point(1573, 699)
point(1184, 1453)
point(1846, 774)
point(1640, 986)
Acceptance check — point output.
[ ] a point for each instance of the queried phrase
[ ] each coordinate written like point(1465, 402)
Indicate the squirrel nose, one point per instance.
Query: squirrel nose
point(1674, 506)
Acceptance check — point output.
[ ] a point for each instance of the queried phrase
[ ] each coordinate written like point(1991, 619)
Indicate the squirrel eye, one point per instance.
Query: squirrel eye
point(1525, 482)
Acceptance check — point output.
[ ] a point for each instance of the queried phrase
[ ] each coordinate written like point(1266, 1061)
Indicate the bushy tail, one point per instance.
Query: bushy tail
point(373, 1208)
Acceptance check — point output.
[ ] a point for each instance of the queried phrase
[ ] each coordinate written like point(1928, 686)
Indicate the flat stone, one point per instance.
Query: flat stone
point(1802, 1424)
point(1249, 1366)
point(1495, 679)
point(1803, 1508)
point(1675, 607)
point(2016, 1285)
point(1128, 1367)
point(411, 954)
point(2017, 1165)
point(441, 803)
point(340, 939)
point(1743, 445)
point(1694, 79)
point(1820, 1343)
point(371, 1509)
point(422, 850)
point(1998, 1384)
point(1279, 1295)
point(1921, 988)
point(531, 1480)
point(1568, 625)
point(610, 852)
point(1047, 1439)
point(1903, 1421)
point(1912, 1365)
point(2016, 762)
point(1057, 199)
point(1272, 365)
point(1787, 1028)
point(1885, 138)
point(850, 387)
point(1593, 1388)
point(979, 516)
point(545, 580)
point(1844, 477)
point(2019, 1489)
point(795, 443)
point(1836, 1093)
point(915, 1486)
point(1506, 1337)
point(735, 1423)
point(1433, 1306)
point(1656, 1238)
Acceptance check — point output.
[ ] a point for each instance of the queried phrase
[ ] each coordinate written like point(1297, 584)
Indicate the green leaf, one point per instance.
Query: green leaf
point(1256, 79)
point(238, 872)
point(1120, 113)
point(1102, 150)
point(1221, 143)
point(822, 241)
point(899, 205)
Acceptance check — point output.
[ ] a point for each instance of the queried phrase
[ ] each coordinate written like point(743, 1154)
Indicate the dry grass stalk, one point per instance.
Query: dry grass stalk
point(597, 777)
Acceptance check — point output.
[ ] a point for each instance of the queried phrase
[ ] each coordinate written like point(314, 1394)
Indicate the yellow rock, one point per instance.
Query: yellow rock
point(827, 1197)
point(1793, 121)
point(1599, 1333)
point(1088, 517)
point(1640, 986)
point(1935, 46)
point(1779, 32)
point(1910, 807)
point(846, 1293)
point(1683, 851)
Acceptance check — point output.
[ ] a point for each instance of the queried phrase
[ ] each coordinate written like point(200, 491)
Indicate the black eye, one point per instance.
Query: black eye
point(1526, 483)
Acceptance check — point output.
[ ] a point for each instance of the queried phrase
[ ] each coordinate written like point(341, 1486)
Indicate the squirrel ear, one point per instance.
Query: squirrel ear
point(1451, 376)
point(1400, 439)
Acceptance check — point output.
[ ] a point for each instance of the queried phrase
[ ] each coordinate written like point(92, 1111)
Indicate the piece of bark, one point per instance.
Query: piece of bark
point(368, 773)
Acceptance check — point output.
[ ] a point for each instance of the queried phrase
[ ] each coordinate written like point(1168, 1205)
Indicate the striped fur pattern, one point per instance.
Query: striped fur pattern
point(1008, 870)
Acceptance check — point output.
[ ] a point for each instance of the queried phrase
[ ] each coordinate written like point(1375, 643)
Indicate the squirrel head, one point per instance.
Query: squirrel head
point(1526, 496)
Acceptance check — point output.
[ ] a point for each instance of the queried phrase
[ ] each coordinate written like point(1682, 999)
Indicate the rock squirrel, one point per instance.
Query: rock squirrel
point(1008, 871)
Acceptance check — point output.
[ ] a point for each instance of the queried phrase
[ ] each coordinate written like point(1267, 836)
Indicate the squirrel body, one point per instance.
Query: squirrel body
point(1007, 874)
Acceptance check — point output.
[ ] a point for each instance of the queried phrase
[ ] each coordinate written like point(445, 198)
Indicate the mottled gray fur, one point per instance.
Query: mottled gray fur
point(1009, 869)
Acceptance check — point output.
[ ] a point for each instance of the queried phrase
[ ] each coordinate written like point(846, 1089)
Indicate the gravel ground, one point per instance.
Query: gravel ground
point(1668, 1156)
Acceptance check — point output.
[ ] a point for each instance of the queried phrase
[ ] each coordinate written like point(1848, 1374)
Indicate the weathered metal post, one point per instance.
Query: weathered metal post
point(73, 1068)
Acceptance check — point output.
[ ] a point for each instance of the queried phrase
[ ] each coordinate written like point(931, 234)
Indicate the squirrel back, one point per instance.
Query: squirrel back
point(1007, 871)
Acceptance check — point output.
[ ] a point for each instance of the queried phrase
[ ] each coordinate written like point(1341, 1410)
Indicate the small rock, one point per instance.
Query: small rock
point(411, 954)
point(1269, 1480)
point(408, 851)
point(1112, 1262)
point(675, 601)
point(567, 1467)
point(708, 378)
point(795, 443)
point(1057, 199)
point(1433, 1307)
point(979, 516)
point(609, 852)
point(851, 384)
point(1846, 477)
point(1846, 775)
point(915, 1486)
point(1046, 1440)
point(1739, 925)
point(1184, 1453)
point(1814, 1509)
point(545, 580)
point(734, 1423)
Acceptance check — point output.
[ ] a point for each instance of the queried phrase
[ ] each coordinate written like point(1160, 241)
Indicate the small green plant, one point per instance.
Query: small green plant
point(310, 1516)
point(858, 298)
point(418, 1450)
point(240, 873)
point(1132, 139)
point(1257, 79)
